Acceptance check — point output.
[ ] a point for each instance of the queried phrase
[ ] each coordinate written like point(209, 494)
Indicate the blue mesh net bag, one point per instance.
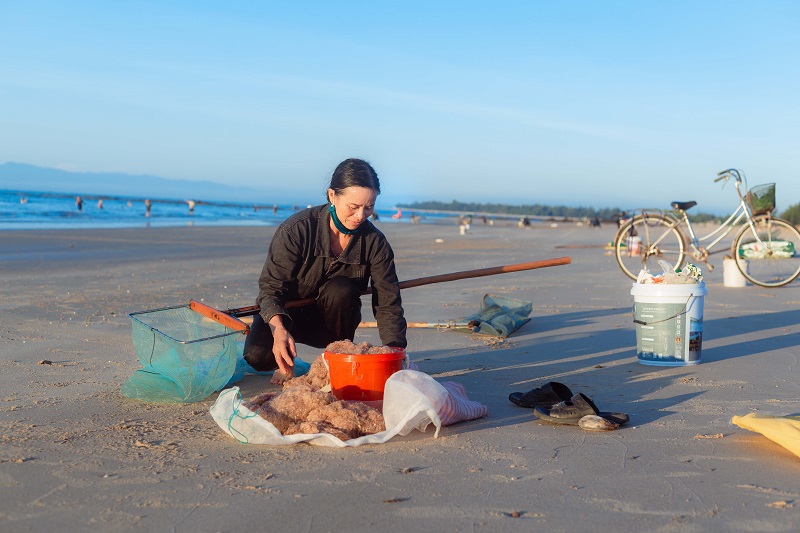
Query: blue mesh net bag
point(500, 315)
point(185, 356)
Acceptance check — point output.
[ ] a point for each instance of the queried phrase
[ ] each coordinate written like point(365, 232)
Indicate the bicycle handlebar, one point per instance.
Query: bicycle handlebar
point(725, 174)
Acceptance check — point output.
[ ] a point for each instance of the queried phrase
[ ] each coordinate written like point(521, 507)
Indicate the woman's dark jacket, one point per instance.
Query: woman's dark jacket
point(300, 261)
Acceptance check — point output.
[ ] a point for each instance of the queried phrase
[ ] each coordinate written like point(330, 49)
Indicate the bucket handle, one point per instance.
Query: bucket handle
point(681, 312)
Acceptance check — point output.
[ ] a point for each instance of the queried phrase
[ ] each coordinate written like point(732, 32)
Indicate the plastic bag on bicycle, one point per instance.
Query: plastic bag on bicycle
point(774, 249)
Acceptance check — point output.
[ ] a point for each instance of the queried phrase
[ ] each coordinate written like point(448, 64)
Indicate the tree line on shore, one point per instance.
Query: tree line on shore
point(534, 210)
point(792, 213)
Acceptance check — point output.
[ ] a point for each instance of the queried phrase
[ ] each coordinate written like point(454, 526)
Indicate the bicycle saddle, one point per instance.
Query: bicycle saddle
point(683, 206)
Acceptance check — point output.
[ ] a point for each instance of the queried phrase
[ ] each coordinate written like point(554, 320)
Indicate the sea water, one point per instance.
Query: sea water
point(42, 210)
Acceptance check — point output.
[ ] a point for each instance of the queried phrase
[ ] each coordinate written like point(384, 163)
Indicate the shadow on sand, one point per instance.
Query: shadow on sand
point(601, 363)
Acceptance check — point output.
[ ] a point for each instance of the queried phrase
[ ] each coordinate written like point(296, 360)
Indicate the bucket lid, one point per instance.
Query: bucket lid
point(669, 289)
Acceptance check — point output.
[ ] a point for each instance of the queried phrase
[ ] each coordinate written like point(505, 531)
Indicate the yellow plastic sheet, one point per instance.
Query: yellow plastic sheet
point(783, 430)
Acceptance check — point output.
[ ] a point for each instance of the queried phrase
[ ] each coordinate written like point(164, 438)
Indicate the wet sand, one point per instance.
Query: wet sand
point(76, 455)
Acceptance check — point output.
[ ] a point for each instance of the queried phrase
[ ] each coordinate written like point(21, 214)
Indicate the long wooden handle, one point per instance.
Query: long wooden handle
point(433, 325)
point(441, 278)
point(491, 271)
point(218, 316)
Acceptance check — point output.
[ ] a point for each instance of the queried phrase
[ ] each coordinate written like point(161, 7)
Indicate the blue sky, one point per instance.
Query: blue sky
point(590, 103)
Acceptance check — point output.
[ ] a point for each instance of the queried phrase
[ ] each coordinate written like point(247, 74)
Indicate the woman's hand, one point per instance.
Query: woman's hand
point(283, 345)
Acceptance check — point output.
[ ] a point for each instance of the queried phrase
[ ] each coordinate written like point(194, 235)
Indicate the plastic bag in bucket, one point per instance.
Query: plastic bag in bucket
point(669, 323)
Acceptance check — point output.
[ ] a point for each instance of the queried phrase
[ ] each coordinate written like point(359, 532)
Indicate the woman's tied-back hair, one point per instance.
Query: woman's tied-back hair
point(354, 173)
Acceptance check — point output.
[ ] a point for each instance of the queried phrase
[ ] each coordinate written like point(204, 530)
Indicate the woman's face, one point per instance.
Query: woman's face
point(353, 205)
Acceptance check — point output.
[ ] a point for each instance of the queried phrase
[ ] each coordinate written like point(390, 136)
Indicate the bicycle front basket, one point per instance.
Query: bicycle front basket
point(762, 198)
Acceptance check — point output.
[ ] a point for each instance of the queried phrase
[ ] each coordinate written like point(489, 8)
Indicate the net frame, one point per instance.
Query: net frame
point(209, 322)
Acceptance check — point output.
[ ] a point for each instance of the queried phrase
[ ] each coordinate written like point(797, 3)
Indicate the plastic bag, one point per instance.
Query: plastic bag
point(783, 430)
point(411, 401)
point(671, 276)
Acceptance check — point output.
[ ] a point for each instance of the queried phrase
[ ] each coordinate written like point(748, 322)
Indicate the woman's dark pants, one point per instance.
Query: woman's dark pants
point(333, 317)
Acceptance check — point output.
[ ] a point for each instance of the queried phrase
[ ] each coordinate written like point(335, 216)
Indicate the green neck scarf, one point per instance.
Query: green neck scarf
point(338, 223)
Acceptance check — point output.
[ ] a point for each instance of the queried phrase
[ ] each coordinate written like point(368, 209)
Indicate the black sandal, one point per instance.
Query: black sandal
point(545, 396)
point(571, 411)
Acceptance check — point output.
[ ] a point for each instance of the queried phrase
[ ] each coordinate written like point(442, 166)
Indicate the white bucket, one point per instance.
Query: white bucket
point(634, 245)
point(731, 275)
point(669, 323)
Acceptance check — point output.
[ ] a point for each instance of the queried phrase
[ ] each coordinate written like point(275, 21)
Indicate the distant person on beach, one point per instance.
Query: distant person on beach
point(331, 253)
point(147, 206)
point(79, 203)
point(463, 224)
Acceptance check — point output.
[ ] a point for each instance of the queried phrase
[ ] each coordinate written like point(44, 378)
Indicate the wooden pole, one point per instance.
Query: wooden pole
point(218, 316)
point(433, 325)
point(441, 278)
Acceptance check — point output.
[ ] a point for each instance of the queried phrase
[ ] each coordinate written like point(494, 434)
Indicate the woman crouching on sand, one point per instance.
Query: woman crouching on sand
point(329, 252)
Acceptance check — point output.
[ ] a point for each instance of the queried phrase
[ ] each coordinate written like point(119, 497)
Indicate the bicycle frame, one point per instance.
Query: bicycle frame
point(732, 222)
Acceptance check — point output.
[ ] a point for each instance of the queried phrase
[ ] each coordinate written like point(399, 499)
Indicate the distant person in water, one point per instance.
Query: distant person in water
point(191, 206)
point(147, 206)
point(79, 203)
point(100, 203)
point(275, 209)
point(331, 253)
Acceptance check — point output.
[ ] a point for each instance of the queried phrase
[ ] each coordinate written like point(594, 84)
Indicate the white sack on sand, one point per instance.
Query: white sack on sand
point(410, 401)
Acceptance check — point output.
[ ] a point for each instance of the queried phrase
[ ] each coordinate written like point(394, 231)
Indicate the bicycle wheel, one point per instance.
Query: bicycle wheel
point(773, 262)
point(645, 239)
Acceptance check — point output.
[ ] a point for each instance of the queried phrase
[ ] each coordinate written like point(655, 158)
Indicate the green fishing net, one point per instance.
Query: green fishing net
point(185, 356)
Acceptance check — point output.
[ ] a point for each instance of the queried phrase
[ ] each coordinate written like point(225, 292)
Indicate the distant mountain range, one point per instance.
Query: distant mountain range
point(30, 178)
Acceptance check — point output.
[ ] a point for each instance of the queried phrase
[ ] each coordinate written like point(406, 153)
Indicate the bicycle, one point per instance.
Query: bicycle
point(765, 247)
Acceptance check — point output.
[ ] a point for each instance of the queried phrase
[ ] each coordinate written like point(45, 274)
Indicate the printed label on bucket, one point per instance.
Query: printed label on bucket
point(663, 340)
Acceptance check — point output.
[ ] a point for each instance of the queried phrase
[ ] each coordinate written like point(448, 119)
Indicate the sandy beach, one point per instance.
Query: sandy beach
point(76, 455)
